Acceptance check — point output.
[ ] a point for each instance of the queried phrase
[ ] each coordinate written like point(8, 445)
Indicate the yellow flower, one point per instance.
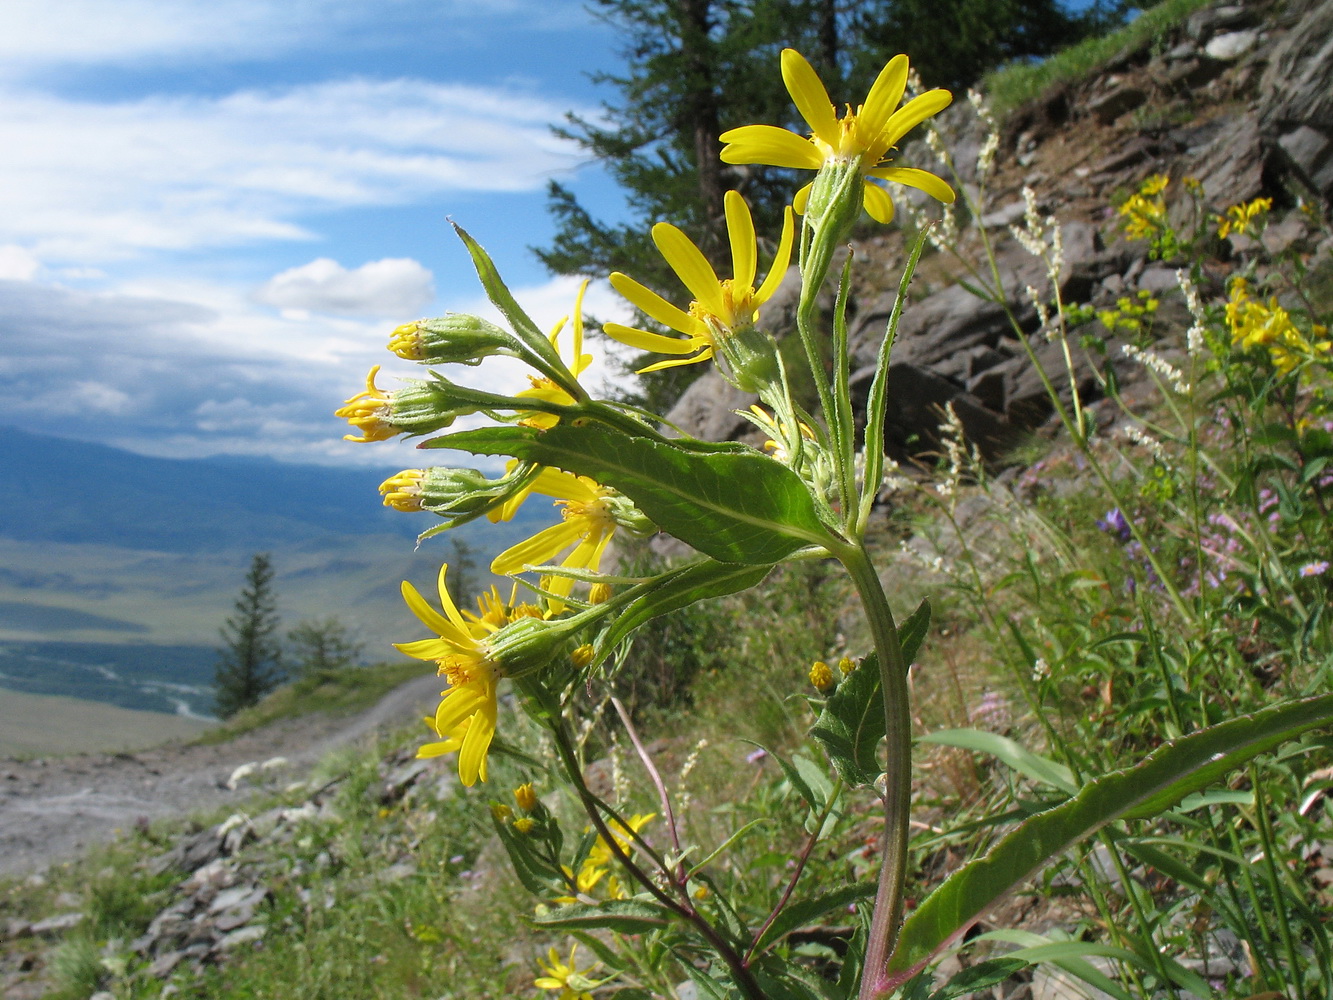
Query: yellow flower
point(588, 877)
point(370, 412)
point(1145, 211)
point(863, 137)
point(601, 855)
point(721, 307)
point(821, 676)
point(566, 977)
point(544, 388)
point(846, 665)
point(1255, 324)
point(465, 719)
point(587, 524)
point(582, 656)
point(525, 797)
point(525, 824)
point(1240, 218)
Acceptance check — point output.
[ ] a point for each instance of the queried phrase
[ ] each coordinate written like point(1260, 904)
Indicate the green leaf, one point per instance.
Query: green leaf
point(1161, 780)
point(806, 911)
point(852, 722)
point(677, 589)
point(738, 507)
point(978, 977)
point(709, 988)
point(500, 296)
point(624, 916)
point(1039, 769)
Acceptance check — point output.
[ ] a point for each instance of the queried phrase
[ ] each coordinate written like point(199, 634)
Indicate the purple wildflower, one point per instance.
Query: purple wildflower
point(1318, 568)
point(1114, 523)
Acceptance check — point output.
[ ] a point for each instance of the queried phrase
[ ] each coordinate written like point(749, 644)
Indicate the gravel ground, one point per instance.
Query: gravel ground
point(52, 809)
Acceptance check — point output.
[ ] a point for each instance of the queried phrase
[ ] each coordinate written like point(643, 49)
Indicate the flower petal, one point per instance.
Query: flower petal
point(908, 117)
point(740, 230)
point(705, 355)
point(810, 97)
point(455, 634)
point(922, 180)
point(801, 199)
point(472, 754)
point(426, 649)
point(645, 341)
point(652, 304)
point(691, 266)
point(879, 204)
point(885, 95)
point(772, 145)
point(447, 602)
point(539, 549)
point(778, 269)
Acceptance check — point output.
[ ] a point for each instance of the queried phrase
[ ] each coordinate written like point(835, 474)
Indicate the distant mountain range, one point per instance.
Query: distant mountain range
point(117, 570)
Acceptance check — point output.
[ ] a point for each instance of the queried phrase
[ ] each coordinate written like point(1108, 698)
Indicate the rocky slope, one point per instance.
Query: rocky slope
point(1238, 97)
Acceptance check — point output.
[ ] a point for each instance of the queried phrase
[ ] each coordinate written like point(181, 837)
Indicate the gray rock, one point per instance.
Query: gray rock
point(1232, 45)
point(1296, 103)
point(1119, 100)
point(705, 409)
point(59, 923)
point(246, 935)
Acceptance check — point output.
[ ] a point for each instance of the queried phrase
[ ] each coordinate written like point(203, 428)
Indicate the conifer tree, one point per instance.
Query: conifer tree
point(321, 646)
point(250, 662)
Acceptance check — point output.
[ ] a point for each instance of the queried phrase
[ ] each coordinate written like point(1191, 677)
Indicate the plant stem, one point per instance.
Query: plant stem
point(898, 769)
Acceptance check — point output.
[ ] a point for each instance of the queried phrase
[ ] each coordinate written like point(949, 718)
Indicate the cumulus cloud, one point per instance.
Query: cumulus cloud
point(394, 286)
point(86, 182)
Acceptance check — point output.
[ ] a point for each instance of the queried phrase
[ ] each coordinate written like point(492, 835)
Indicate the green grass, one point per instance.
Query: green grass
point(339, 693)
point(1012, 86)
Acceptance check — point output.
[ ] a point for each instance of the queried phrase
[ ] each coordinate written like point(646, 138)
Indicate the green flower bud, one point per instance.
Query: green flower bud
point(456, 338)
point(837, 197)
point(452, 492)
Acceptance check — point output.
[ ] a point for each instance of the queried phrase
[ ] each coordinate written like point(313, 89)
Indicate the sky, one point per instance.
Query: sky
point(213, 212)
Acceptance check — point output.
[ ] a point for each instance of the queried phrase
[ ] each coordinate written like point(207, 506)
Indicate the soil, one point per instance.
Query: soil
point(53, 809)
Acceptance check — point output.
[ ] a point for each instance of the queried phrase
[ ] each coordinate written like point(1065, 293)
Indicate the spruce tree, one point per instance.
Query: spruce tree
point(321, 646)
point(250, 662)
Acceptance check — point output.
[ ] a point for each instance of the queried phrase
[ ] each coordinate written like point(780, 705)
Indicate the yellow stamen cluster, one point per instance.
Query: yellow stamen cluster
point(370, 412)
point(1254, 323)
point(405, 341)
point(403, 491)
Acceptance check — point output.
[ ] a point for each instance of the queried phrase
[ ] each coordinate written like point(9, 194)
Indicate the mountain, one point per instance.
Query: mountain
point(117, 570)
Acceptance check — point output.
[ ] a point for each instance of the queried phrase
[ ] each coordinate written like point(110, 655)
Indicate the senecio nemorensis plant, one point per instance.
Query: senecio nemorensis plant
point(619, 886)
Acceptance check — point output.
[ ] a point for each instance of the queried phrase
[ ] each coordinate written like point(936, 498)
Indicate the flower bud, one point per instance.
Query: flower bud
point(583, 655)
point(456, 338)
point(417, 408)
point(525, 824)
point(501, 812)
point(525, 797)
point(846, 665)
point(599, 593)
point(451, 492)
point(403, 491)
point(821, 676)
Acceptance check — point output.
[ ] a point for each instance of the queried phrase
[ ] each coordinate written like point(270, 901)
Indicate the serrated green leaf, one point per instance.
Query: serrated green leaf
point(1040, 769)
point(806, 911)
point(852, 723)
point(624, 916)
point(738, 507)
point(1161, 780)
point(978, 977)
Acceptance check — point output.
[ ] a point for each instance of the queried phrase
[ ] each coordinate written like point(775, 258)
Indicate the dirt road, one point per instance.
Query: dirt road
point(51, 809)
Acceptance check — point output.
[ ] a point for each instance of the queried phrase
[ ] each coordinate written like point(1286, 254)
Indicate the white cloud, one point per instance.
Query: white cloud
point(84, 182)
point(394, 286)
point(17, 263)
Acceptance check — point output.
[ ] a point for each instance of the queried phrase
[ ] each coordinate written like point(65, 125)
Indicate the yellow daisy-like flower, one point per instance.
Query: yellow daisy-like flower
point(863, 137)
point(1242, 218)
point(370, 412)
point(587, 523)
point(721, 306)
point(601, 854)
point(544, 388)
point(572, 982)
point(465, 719)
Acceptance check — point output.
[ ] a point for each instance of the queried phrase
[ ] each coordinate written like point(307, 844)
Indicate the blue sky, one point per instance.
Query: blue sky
point(212, 213)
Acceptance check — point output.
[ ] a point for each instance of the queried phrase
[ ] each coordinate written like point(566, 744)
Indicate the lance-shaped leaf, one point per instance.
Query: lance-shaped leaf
point(678, 589)
point(852, 722)
point(625, 916)
point(1038, 768)
point(810, 909)
point(738, 507)
point(1161, 780)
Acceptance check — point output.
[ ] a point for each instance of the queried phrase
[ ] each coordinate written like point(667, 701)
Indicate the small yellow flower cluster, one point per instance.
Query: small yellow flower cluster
point(1254, 323)
point(1129, 314)
point(1145, 211)
point(572, 982)
point(597, 864)
point(1243, 218)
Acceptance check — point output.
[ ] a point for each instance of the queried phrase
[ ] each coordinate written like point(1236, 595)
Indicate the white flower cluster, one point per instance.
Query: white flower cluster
point(991, 145)
point(1194, 338)
point(1041, 238)
point(1141, 437)
point(1155, 362)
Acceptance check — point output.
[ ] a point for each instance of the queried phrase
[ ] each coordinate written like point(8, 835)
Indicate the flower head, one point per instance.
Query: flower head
point(821, 676)
point(862, 138)
point(1243, 218)
point(370, 412)
point(572, 982)
point(721, 307)
point(465, 719)
point(588, 520)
